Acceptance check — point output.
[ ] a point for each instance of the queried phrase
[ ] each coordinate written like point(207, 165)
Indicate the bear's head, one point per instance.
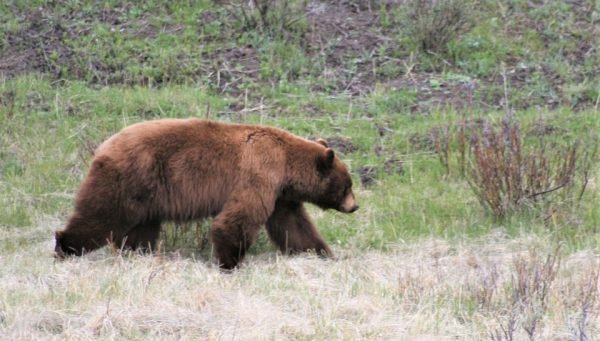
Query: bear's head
point(329, 185)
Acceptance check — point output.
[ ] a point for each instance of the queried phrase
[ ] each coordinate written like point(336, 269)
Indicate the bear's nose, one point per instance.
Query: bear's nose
point(353, 209)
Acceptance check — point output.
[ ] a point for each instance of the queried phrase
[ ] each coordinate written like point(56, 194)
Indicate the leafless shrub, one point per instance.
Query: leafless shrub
point(588, 295)
point(442, 138)
point(488, 284)
point(589, 157)
point(434, 23)
point(530, 284)
point(505, 331)
point(453, 139)
point(506, 177)
point(505, 174)
point(276, 18)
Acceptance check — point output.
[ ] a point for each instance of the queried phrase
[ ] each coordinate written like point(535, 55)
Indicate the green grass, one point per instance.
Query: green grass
point(47, 143)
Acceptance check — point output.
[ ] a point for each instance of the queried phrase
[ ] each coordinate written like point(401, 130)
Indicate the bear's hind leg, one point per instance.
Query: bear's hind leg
point(291, 229)
point(142, 237)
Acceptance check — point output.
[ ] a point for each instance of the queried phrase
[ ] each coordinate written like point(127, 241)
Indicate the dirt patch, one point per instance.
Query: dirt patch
point(521, 76)
point(349, 47)
point(7, 100)
point(357, 49)
point(341, 144)
point(46, 43)
point(432, 139)
point(349, 35)
point(38, 47)
point(19, 62)
point(422, 141)
point(37, 102)
point(368, 175)
point(394, 166)
point(437, 90)
point(542, 128)
point(383, 129)
point(232, 67)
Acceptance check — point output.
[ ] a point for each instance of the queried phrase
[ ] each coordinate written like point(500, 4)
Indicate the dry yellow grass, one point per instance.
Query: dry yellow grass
point(427, 290)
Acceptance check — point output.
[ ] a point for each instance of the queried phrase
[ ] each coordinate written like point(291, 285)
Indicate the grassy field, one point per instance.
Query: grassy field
point(402, 90)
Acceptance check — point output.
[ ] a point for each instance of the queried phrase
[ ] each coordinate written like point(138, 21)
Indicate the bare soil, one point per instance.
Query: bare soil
point(39, 47)
point(346, 35)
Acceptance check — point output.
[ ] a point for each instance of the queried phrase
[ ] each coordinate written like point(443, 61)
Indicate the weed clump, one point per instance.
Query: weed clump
point(278, 19)
point(528, 294)
point(505, 174)
point(432, 24)
point(505, 177)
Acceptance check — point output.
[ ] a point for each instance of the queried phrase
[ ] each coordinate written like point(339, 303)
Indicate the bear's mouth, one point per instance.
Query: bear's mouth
point(348, 204)
point(349, 210)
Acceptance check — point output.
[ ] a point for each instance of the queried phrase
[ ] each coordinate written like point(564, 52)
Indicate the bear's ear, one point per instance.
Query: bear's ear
point(325, 161)
point(323, 143)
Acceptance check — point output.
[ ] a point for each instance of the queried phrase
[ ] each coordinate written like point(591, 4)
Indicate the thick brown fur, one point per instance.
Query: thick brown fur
point(244, 176)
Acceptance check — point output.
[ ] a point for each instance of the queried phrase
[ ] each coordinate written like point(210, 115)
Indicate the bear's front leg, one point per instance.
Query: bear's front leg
point(291, 229)
point(232, 234)
point(235, 229)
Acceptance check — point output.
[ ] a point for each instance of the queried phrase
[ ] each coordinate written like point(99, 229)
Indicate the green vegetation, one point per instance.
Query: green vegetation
point(389, 84)
point(49, 137)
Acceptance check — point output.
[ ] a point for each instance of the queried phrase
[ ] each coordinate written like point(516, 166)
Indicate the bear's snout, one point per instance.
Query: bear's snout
point(349, 204)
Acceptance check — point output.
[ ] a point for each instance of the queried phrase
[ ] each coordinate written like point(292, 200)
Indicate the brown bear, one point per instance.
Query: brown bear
point(244, 176)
